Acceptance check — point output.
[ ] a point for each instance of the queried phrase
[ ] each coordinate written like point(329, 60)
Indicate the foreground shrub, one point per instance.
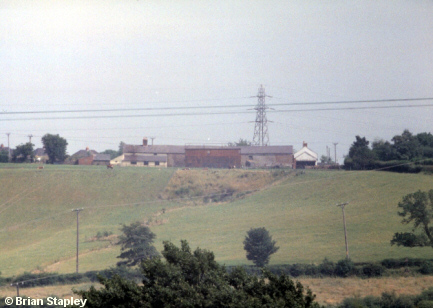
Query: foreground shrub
point(195, 279)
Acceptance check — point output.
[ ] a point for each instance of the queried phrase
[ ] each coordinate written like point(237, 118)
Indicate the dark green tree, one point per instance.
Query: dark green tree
point(55, 147)
point(383, 150)
point(417, 208)
point(406, 145)
point(4, 156)
point(194, 279)
point(23, 153)
point(121, 145)
point(360, 155)
point(136, 244)
point(259, 246)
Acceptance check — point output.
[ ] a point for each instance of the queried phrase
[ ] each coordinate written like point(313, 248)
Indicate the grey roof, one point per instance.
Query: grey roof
point(151, 149)
point(142, 158)
point(263, 150)
point(84, 153)
point(102, 157)
point(39, 152)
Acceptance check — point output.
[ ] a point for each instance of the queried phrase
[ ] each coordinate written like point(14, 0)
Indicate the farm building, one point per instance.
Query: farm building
point(163, 155)
point(305, 157)
point(267, 156)
point(40, 155)
point(209, 156)
point(212, 157)
point(101, 159)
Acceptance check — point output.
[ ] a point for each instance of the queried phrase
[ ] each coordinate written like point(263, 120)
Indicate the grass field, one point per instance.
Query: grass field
point(38, 227)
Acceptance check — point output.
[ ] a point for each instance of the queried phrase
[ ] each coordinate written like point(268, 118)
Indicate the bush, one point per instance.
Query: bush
point(426, 268)
point(425, 304)
point(372, 270)
point(344, 268)
point(327, 267)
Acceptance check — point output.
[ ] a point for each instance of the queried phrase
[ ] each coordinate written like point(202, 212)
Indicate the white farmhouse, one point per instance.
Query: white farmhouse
point(305, 157)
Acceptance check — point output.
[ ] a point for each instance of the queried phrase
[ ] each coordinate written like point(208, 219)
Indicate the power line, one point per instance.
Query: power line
point(215, 106)
point(215, 113)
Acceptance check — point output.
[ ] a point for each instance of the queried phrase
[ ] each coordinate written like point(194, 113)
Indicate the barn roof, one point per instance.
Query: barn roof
point(39, 152)
point(102, 157)
point(263, 150)
point(151, 149)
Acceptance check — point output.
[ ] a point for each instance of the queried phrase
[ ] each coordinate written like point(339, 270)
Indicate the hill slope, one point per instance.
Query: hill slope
point(212, 209)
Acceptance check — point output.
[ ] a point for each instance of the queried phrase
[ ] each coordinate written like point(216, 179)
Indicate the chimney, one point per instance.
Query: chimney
point(145, 141)
point(2, 146)
point(304, 144)
point(87, 149)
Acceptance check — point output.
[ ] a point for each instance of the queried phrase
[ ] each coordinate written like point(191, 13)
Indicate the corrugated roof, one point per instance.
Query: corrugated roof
point(151, 149)
point(270, 149)
point(142, 158)
point(102, 157)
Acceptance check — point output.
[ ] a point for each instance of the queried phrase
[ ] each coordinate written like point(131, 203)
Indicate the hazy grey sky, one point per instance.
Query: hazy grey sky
point(91, 55)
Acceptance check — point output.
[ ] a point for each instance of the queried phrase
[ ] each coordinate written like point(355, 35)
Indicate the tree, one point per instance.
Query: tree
point(121, 145)
point(417, 208)
point(4, 156)
point(259, 246)
point(194, 279)
point(240, 143)
point(55, 147)
point(360, 155)
point(383, 150)
point(23, 153)
point(406, 145)
point(325, 160)
point(136, 244)
point(112, 153)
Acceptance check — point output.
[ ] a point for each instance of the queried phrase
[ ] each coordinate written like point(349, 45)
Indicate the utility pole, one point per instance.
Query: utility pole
point(78, 212)
point(9, 148)
point(152, 139)
point(30, 138)
point(335, 151)
point(261, 135)
point(18, 288)
point(342, 205)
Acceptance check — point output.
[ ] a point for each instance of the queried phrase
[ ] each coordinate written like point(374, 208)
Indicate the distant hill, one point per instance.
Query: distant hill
point(212, 209)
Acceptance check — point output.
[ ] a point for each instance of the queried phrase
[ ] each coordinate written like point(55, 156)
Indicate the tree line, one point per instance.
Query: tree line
point(54, 147)
point(403, 153)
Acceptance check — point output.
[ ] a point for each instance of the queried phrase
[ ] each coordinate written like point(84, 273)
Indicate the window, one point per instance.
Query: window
point(250, 157)
point(157, 163)
point(133, 163)
point(155, 153)
point(146, 163)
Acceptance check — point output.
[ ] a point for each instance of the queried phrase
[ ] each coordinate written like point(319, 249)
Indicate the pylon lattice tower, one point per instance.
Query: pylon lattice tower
point(261, 135)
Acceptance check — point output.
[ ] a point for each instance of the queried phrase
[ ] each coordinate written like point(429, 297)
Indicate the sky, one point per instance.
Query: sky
point(101, 72)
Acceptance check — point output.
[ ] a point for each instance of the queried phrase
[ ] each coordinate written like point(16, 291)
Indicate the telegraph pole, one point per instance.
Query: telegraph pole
point(78, 212)
point(152, 139)
point(9, 148)
point(335, 151)
point(30, 138)
point(18, 288)
point(342, 205)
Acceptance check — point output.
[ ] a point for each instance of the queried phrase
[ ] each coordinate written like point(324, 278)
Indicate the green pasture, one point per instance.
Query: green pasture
point(38, 227)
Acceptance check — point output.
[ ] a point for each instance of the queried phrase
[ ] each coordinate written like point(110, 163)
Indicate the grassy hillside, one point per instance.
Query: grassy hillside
point(212, 209)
